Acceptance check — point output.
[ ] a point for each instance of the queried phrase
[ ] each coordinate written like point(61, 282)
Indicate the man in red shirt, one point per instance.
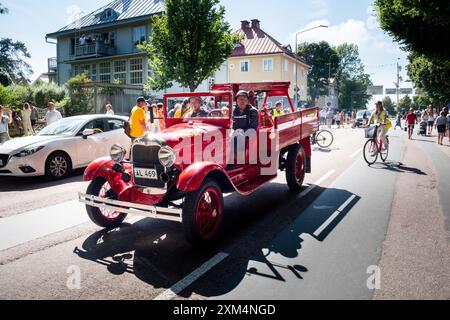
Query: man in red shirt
point(411, 120)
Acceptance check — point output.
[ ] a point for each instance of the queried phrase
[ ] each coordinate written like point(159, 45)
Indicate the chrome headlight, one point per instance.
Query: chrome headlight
point(28, 152)
point(167, 157)
point(117, 153)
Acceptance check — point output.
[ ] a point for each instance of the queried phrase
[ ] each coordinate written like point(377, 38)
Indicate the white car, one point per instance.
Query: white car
point(65, 145)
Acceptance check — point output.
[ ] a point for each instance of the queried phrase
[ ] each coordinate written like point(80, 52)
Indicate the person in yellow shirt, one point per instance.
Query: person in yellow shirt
point(138, 119)
point(278, 111)
point(379, 116)
point(185, 110)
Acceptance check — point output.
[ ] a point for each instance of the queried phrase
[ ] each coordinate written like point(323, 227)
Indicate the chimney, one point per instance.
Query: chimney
point(245, 24)
point(255, 24)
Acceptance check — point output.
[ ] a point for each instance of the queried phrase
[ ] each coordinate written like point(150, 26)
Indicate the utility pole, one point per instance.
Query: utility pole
point(399, 79)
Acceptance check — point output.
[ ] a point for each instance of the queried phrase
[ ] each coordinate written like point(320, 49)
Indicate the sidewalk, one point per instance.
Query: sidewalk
point(415, 262)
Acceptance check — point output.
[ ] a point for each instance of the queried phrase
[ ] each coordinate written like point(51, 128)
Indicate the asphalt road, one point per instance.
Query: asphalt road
point(316, 245)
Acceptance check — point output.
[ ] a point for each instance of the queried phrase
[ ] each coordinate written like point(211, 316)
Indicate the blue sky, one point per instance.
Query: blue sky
point(349, 20)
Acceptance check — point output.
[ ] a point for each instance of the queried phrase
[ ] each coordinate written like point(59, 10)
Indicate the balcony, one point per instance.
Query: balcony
point(52, 65)
point(92, 50)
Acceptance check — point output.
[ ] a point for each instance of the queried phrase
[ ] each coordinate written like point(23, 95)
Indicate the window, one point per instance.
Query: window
point(94, 72)
point(286, 66)
point(139, 35)
point(120, 71)
point(267, 65)
point(105, 72)
point(245, 66)
point(136, 71)
point(114, 124)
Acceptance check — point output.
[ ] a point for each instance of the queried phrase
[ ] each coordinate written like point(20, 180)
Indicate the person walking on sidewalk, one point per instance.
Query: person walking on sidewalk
point(411, 121)
point(398, 122)
point(441, 126)
point(431, 119)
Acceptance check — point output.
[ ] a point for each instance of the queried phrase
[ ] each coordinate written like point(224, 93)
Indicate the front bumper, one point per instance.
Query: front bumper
point(14, 165)
point(132, 208)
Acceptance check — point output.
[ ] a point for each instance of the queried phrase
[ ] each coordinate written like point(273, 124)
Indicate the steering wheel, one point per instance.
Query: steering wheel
point(97, 130)
point(215, 114)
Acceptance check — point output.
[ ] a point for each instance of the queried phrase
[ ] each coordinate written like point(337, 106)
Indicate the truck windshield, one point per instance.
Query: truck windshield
point(192, 107)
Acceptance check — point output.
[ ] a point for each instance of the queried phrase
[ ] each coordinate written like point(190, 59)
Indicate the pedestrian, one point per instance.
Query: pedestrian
point(448, 126)
point(431, 119)
point(52, 115)
point(398, 122)
point(424, 117)
point(330, 116)
point(5, 121)
point(411, 121)
point(337, 119)
point(185, 110)
point(34, 114)
point(342, 120)
point(137, 119)
point(174, 110)
point(109, 110)
point(26, 118)
point(161, 120)
point(441, 125)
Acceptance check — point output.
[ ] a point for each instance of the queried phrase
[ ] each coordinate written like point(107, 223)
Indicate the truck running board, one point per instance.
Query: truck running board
point(132, 208)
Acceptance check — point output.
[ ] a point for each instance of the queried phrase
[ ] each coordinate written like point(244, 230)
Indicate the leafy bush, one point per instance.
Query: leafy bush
point(81, 95)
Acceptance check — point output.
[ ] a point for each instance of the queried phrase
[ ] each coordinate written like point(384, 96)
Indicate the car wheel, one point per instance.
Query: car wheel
point(103, 217)
point(295, 168)
point(203, 213)
point(58, 166)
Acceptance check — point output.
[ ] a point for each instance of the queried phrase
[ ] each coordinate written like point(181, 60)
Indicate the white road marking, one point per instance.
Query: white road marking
point(177, 288)
point(356, 153)
point(317, 183)
point(333, 216)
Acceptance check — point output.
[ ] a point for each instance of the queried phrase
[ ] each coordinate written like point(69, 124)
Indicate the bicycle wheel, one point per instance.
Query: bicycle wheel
point(370, 151)
point(384, 153)
point(324, 138)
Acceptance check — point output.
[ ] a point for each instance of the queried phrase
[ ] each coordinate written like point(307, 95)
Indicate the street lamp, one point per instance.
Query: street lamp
point(296, 65)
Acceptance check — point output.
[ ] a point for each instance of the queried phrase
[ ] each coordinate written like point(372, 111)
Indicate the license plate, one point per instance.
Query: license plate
point(141, 173)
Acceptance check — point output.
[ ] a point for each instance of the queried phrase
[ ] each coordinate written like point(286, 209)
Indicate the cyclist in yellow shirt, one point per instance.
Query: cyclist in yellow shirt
point(379, 116)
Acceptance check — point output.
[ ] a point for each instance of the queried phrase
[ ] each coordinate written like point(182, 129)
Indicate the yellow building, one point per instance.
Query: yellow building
point(261, 58)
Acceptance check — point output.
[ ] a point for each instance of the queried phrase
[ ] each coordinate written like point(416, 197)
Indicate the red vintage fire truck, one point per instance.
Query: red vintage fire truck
point(181, 173)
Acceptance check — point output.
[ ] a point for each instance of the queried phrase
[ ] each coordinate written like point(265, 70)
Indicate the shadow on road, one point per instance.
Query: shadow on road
point(399, 167)
point(162, 257)
point(325, 150)
point(35, 183)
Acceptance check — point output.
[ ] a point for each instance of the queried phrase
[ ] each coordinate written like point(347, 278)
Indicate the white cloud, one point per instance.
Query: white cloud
point(320, 9)
point(74, 13)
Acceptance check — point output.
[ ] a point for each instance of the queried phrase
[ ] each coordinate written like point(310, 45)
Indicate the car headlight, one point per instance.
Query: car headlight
point(167, 157)
point(117, 153)
point(28, 152)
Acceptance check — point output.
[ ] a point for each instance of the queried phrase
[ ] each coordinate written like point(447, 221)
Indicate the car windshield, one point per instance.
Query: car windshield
point(191, 107)
point(62, 127)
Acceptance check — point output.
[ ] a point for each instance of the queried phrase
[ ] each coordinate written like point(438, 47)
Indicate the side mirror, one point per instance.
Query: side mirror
point(87, 133)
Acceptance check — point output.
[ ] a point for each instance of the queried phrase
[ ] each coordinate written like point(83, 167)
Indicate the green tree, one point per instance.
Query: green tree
point(420, 26)
point(13, 68)
point(353, 92)
point(405, 103)
point(389, 106)
point(81, 94)
point(430, 75)
point(189, 42)
point(422, 101)
point(324, 62)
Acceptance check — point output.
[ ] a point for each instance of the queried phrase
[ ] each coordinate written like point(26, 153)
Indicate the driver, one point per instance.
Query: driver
point(197, 110)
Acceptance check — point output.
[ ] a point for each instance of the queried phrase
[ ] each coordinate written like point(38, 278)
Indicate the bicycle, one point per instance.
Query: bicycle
point(374, 146)
point(323, 138)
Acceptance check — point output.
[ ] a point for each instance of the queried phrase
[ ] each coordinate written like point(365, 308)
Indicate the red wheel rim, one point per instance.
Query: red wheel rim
point(299, 167)
point(108, 214)
point(209, 213)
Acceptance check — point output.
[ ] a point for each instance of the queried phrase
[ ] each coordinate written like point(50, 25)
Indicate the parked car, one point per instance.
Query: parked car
point(360, 117)
point(170, 177)
point(65, 145)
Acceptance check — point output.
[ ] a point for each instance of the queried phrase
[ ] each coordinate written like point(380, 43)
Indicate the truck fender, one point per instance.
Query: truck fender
point(193, 176)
